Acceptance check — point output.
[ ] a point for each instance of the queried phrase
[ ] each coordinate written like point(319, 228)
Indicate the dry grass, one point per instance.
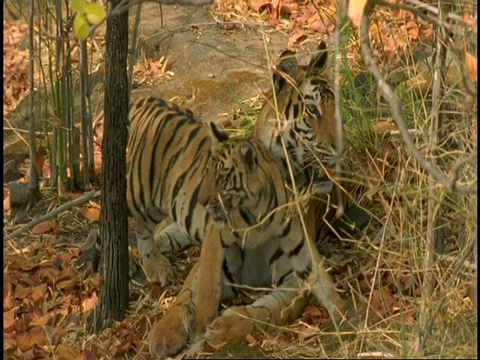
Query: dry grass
point(384, 270)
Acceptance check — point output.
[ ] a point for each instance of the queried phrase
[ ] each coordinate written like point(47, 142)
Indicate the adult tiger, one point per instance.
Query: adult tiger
point(299, 111)
point(297, 124)
point(229, 194)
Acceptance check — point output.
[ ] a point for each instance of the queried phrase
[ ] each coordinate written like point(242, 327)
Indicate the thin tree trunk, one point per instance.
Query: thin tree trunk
point(113, 217)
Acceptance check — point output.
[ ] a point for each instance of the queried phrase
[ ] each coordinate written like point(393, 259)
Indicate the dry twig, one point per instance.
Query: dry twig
point(52, 214)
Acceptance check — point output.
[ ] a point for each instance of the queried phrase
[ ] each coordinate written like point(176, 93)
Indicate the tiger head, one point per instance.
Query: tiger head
point(300, 112)
point(244, 176)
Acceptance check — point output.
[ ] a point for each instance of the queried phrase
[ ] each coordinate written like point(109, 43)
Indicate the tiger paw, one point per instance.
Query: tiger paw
point(233, 324)
point(167, 337)
point(157, 268)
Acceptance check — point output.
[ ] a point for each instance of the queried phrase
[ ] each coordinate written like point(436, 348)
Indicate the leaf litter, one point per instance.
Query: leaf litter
point(47, 298)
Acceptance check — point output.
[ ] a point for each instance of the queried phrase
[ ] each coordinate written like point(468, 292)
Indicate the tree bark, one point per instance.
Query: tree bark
point(113, 216)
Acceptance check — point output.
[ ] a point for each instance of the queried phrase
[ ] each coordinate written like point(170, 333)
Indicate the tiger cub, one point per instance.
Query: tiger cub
point(168, 151)
point(228, 194)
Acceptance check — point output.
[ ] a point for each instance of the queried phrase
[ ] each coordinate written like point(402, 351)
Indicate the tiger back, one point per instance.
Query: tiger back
point(167, 176)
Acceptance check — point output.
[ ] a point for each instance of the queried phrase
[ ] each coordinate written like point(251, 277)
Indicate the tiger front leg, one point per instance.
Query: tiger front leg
point(277, 308)
point(308, 264)
point(172, 240)
point(170, 334)
point(209, 290)
point(156, 266)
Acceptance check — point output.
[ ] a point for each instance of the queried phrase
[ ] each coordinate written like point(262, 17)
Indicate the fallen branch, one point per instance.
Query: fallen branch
point(397, 112)
point(52, 214)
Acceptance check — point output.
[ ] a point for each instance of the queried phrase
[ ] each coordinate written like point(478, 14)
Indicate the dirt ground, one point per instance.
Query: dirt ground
point(215, 67)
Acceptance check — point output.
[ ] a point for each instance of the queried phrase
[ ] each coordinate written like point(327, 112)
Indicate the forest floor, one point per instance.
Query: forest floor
point(216, 62)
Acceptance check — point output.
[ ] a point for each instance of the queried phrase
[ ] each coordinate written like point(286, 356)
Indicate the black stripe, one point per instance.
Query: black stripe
point(280, 281)
point(296, 111)
point(286, 230)
point(179, 183)
point(278, 253)
point(161, 121)
point(191, 209)
point(229, 276)
point(297, 249)
point(247, 216)
point(193, 134)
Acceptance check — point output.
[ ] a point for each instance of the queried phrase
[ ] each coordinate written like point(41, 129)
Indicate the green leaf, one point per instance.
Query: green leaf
point(81, 27)
point(78, 5)
point(95, 13)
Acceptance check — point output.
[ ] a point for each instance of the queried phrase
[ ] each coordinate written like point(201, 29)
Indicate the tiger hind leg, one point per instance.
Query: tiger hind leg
point(155, 265)
point(170, 334)
point(278, 308)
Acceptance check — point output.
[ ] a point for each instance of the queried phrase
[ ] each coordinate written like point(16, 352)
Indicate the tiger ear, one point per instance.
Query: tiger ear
point(319, 62)
point(248, 156)
point(216, 134)
point(285, 68)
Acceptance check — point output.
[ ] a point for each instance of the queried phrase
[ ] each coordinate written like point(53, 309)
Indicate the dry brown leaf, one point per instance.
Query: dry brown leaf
point(38, 294)
point(383, 301)
point(66, 352)
point(9, 319)
point(90, 213)
point(6, 200)
point(383, 127)
point(22, 292)
point(319, 25)
point(296, 37)
point(8, 342)
point(49, 274)
point(412, 30)
point(19, 262)
point(314, 315)
point(405, 316)
point(43, 319)
point(122, 349)
point(35, 336)
point(471, 66)
point(65, 259)
point(355, 11)
point(90, 302)
point(422, 82)
point(68, 273)
point(43, 227)
point(7, 296)
point(470, 21)
point(66, 285)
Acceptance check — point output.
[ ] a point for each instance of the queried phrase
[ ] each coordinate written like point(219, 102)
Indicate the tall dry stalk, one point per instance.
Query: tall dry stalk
point(33, 182)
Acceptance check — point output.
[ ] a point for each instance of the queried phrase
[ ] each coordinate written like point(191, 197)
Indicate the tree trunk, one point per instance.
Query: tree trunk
point(113, 217)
